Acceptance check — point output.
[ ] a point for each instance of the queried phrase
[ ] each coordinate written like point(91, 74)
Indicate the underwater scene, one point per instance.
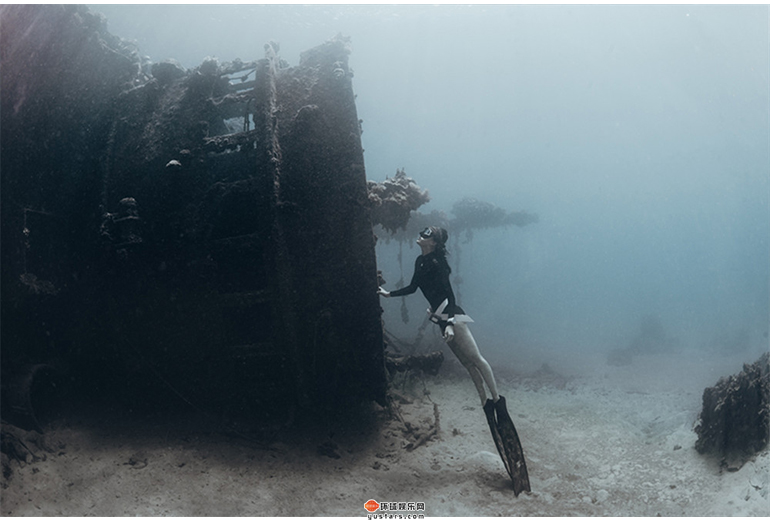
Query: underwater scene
point(392, 261)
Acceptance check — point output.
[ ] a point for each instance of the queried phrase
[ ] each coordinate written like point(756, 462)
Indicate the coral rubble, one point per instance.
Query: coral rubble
point(735, 420)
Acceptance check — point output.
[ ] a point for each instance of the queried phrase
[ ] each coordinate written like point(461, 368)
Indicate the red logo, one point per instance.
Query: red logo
point(372, 506)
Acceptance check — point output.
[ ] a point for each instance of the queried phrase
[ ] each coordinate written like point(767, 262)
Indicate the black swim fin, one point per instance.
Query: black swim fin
point(489, 410)
point(507, 442)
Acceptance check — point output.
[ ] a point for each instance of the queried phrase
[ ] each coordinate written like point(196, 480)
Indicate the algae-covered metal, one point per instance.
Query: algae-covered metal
point(214, 242)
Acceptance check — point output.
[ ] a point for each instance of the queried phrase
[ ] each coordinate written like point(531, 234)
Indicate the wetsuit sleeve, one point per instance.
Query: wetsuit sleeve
point(450, 308)
point(413, 285)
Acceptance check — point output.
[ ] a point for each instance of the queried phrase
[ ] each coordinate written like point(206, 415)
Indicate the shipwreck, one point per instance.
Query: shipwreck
point(175, 235)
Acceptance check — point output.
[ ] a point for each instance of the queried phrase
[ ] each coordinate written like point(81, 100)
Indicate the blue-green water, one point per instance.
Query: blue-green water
point(638, 134)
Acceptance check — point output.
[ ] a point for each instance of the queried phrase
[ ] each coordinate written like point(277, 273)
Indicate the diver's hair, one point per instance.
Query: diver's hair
point(440, 237)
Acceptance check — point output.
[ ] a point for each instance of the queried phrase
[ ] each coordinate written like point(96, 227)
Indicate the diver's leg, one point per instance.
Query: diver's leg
point(465, 344)
point(478, 382)
point(471, 368)
point(500, 424)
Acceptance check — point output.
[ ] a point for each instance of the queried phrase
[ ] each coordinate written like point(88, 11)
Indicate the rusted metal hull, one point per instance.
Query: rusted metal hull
point(231, 270)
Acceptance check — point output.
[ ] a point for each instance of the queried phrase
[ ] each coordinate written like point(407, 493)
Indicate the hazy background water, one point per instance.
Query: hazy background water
point(638, 134)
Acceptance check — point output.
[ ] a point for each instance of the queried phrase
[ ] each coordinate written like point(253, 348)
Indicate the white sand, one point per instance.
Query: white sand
point(618, 443)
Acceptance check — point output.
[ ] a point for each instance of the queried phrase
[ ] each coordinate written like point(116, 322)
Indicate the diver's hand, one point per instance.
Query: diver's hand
point(383, 292)
point(449, 333)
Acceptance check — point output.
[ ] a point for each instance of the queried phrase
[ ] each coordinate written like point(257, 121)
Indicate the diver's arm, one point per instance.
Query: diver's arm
point(409, 289)
point(451, 303)
point(413, 285)
point(449, 330)
point(450, 308)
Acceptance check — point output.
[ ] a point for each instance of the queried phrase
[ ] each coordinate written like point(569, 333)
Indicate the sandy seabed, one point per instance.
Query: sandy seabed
point(618, 442)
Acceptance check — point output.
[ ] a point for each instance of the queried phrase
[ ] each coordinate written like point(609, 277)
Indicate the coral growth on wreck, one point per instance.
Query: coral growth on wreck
point(394, 199)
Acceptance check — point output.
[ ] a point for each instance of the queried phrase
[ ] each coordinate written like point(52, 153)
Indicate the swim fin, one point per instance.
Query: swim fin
point(507, 442)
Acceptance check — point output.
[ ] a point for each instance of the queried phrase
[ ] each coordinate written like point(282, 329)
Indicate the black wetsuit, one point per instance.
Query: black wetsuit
point(431, 275)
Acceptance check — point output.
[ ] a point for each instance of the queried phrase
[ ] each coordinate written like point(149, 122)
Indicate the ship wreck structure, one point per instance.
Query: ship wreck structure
point(175, 235)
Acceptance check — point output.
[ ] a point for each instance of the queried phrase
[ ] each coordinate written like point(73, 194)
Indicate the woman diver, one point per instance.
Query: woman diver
point(431, 276)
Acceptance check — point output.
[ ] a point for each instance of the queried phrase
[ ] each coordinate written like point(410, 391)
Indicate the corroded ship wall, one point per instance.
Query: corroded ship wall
point(201, 234)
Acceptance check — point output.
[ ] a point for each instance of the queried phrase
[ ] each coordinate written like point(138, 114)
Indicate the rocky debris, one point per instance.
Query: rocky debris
point(21, 447)
point(416, 430)
point(735, 420)
point(428, 363)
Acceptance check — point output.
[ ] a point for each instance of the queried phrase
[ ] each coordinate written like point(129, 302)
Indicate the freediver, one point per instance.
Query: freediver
point(431, 276)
